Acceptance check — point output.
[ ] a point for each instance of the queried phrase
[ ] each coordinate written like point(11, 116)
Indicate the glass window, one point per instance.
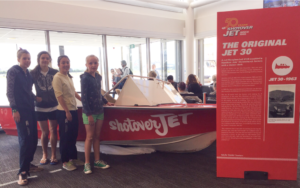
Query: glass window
point(171, 62)
point(210, 58)
point(77, 47)
point(163, 55)
point(155, 53)
point(144, 60)
point(11, 40)
point(125, 48)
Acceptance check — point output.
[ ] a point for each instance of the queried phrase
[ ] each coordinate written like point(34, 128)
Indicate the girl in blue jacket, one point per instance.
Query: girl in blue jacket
point(93, 112)
point(21, 101)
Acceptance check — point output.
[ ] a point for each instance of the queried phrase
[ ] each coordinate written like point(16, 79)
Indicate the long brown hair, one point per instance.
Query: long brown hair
point(191, 79)
point(37, 69)
point(58, 62)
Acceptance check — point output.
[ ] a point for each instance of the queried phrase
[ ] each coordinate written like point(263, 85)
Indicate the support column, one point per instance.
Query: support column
point(141, 60)
point(189, 38)
point(161, 59)
point(165, 60)
point(122, 53)
point(130, 65)
point(105, 62)
point(148, 55)
point(61, 50)
point(179, 60)
point(47, 39)
point(200, 60)
point(100, 62)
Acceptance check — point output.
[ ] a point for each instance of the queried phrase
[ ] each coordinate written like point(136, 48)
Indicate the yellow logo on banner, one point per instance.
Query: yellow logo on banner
point(231, 22)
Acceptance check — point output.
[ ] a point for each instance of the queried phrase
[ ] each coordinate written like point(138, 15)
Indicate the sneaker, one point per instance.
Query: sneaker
point(69, 166)
point(34, 168)
point(77, 162)
point(87, 168)
point(101, 164)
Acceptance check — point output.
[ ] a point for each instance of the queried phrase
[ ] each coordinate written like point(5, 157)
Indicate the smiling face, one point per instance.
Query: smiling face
point(92, 64)
point(64, 65)
point(24, 60)
point(44, 60)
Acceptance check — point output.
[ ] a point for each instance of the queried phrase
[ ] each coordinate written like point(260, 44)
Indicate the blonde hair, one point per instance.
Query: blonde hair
point(86, 60)
point(152, 74)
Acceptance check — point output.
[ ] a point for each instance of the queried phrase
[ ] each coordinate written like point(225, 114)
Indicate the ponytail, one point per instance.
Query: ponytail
point(21, 52)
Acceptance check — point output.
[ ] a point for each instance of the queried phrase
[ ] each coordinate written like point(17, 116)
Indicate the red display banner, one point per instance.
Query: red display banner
point(258, 66)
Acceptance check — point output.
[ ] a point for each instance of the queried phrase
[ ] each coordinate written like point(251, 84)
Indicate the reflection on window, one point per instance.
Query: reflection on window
point(155, 53)
point(11, 40)
point(171, 62)
point(128, 49)
point(163, 56)
point(144, 60)
point(77, 47)
point(210, 57)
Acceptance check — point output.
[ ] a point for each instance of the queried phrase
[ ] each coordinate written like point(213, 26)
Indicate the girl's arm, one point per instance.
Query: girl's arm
point(84, 97)
point(63, 104)
point(10, 93)
point(77, 96)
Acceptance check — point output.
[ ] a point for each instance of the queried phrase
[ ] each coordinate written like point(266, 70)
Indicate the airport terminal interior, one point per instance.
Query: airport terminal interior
point(170, 37)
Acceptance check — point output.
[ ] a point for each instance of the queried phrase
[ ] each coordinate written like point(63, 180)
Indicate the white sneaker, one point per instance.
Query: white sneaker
point(69, 166)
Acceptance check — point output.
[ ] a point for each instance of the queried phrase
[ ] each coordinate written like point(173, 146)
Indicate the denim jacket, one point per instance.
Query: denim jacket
point(91, 97)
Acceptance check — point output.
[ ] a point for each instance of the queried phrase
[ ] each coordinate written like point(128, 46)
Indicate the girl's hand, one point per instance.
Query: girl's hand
point(38, 99)
point(16, 116)
point(91, 120)
point(69, 116)
point(109, 104)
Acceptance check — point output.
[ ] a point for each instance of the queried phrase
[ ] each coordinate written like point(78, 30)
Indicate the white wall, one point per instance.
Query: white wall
point(206, 16)
point(75, 18)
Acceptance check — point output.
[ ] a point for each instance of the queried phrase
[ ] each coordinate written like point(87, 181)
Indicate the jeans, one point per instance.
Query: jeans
point(27, 135)
point(68, 132)
point(122, 84)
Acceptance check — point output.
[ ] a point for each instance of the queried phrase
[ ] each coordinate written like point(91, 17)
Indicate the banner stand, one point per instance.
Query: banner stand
point(258, 64)
point(256, 175)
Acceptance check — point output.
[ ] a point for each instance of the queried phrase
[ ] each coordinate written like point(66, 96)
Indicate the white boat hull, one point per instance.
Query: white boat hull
point(181, 144)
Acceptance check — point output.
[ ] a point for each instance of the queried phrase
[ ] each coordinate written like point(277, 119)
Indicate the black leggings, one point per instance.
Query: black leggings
point(68, 132)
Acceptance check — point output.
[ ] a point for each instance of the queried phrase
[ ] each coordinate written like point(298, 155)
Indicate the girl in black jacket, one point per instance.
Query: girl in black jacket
point(45, 110)
point(93, 112)
point(21, 101)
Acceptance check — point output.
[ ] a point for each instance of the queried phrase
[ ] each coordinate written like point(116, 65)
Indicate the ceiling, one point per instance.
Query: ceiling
point(136, 3)
point(20, 36)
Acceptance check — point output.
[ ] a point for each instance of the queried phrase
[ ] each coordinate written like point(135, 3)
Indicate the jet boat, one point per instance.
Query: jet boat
point(148, 113)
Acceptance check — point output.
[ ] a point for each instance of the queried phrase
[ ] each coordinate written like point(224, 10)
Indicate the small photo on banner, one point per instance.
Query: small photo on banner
point(281, 103)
